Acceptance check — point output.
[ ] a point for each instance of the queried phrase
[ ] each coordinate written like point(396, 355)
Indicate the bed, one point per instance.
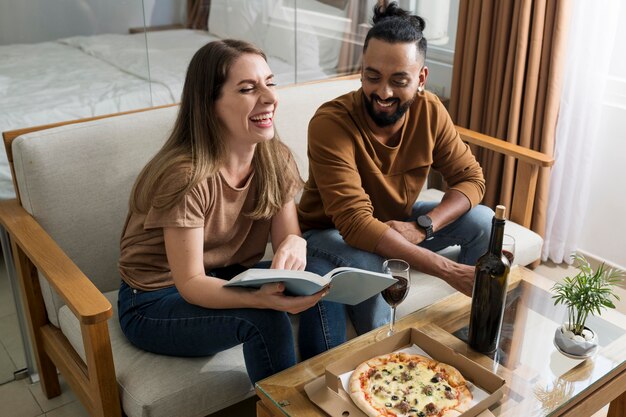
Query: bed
point(86, 76)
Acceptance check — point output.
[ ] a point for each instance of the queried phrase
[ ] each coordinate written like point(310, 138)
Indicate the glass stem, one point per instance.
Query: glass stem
point(393, 320)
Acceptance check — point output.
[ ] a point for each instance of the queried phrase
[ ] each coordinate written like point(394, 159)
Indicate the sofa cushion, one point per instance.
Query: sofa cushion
point(163, 386)
point(296, 107)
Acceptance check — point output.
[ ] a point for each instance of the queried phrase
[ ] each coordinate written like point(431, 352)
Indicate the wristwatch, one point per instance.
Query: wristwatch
point(426, 224)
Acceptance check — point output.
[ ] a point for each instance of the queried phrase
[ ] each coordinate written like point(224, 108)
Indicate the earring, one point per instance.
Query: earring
point(420, 89)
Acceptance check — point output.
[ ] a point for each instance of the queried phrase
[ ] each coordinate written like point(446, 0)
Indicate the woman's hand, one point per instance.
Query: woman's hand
point(290, 254)
point(272, 296)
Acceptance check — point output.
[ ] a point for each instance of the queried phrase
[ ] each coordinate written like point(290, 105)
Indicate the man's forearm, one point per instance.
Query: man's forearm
point(394, 245)
point(453, 205)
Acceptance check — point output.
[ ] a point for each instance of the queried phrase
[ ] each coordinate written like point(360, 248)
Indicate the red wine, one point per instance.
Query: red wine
point(395, 294)
point(509, 255)
point(489, 294)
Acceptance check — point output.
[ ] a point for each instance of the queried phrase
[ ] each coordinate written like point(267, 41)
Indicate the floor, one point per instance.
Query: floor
point(20, 398)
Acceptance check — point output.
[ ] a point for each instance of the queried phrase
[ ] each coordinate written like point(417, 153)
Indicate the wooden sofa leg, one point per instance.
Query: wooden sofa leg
point(104, 389)
point(37, 319)
point(49, 378)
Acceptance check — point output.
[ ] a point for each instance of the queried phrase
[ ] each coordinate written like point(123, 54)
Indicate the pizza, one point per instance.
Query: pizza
point(403, 385)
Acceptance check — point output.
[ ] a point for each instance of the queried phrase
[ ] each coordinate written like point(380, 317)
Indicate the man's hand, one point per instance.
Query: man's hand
point(409, 230)
point(461, 278)
point(291, 254)
point(393, 244)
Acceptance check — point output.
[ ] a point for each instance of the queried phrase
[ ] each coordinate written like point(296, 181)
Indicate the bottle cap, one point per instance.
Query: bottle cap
point(500, 212)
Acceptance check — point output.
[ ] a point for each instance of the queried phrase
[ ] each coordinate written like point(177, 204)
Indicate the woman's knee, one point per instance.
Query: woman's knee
point(267, 324)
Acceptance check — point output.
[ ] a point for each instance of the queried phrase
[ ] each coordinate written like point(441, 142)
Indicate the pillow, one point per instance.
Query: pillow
point(237, 19)
point(270, 26)
point(331, 23)
point(280, 37)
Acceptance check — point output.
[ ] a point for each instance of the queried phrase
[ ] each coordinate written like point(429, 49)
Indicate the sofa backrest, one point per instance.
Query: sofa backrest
point(296, 107)
point(76, 179)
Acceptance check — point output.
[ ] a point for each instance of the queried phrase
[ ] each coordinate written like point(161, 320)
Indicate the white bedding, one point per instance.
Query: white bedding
point(88, 76)
point(49, 82)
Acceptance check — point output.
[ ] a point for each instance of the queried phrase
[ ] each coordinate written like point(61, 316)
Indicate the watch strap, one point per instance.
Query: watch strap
point(425, 223)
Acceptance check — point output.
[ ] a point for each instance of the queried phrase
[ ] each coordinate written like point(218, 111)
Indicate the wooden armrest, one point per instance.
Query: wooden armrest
point(505, 148)
point(526, 174)
point(81, 295)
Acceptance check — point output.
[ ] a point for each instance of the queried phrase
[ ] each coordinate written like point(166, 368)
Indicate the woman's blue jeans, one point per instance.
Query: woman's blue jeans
point(163, 322)
point(470, 231)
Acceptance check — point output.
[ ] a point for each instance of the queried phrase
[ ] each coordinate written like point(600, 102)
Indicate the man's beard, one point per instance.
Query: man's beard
point(384, 119)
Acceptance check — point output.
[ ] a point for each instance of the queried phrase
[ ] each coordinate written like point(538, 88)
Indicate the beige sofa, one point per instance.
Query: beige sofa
point(73, 183)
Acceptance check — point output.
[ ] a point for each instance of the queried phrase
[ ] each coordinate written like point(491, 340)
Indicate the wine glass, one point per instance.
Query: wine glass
point(397, 292)
point(508, 248)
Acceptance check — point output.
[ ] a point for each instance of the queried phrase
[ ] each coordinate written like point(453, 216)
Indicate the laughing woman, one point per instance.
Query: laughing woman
point(202, 211)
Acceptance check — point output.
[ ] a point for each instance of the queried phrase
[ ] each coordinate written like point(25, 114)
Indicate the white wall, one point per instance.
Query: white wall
point(603, 232)
point(29, 21)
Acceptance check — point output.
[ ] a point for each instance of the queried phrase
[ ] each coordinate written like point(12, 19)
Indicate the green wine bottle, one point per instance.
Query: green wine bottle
point(489, 294)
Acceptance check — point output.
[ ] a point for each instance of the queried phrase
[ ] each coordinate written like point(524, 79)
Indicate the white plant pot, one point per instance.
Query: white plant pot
point(575, 346)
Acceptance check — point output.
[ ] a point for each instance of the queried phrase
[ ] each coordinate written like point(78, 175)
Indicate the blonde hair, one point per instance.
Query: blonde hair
point(197, 140)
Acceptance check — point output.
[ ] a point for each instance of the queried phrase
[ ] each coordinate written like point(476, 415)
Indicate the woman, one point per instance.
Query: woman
point(202, 210)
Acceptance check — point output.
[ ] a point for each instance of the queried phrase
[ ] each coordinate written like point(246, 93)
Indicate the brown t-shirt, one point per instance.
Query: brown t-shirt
point(230, 237)
point(356, 183)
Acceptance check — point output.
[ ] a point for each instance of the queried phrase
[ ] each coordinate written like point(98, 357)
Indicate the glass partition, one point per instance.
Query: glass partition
point(339, 27)
point(303, 39)
point(63, 60)
point(441, 18)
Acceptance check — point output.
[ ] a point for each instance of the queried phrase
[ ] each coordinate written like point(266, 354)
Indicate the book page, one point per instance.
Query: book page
point(341, 270)
point(352, 286)
point(348, 286)
point(276, 275)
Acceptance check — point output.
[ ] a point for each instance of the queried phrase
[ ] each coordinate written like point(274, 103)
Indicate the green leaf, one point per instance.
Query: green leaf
point(587, 292)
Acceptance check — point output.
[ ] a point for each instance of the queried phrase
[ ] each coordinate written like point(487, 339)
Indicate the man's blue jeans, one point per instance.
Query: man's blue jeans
point(163, 322)
point(470, 231)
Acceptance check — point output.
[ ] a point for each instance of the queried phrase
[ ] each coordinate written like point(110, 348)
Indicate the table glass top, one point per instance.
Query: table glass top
point(540, 381)
point(544, 380)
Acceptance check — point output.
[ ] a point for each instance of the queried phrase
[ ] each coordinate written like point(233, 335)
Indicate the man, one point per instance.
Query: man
point(369, 155)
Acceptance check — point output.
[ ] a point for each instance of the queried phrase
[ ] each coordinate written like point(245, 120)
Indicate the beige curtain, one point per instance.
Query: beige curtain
point(508, 67)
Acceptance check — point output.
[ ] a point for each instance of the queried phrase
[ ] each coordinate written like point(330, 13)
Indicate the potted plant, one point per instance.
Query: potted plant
point(587, 293)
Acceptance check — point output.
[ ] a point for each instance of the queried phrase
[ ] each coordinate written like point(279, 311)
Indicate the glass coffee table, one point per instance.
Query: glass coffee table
point(540, 381)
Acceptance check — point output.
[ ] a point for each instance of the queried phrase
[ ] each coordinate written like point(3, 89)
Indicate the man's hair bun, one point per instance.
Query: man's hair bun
point(392, 9)
point(418, 22)
point(393, 24)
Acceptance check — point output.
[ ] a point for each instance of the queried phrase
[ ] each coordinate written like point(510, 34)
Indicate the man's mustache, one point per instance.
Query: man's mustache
point(389, 100)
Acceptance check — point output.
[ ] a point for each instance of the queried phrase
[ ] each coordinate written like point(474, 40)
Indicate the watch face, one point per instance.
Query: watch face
point(424, 221)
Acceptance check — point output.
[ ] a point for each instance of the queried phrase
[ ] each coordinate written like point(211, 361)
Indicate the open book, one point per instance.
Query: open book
point(348, 285)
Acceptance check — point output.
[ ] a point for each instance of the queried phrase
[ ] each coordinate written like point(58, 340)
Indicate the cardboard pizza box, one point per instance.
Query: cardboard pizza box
point(328, 393)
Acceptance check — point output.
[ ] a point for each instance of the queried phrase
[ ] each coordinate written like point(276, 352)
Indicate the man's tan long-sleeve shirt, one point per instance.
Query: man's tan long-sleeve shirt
point(356, 183)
